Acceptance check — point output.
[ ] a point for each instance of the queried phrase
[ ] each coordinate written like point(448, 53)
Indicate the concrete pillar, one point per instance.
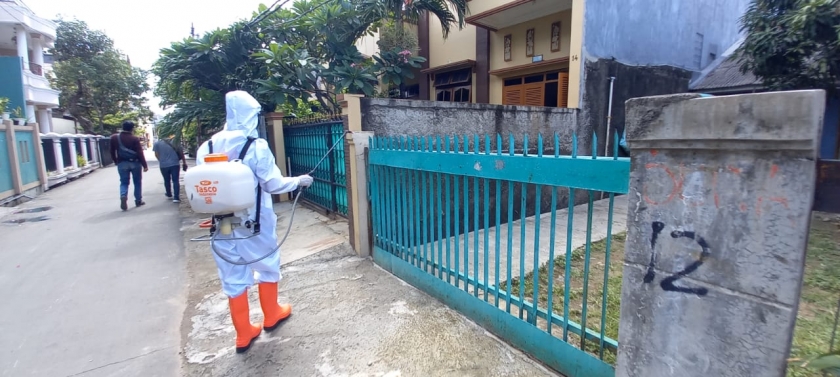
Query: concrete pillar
point(576, 53)
point(39, 158)
point(37, 50)
point(59, 157)
point(96, 151)
point(92, 144)
point(359, 203)
point(22, 46)
point(721, 191)
point(73, 153)
point(83, 142)
point(274, 130)
point(351, 108)
point(44, 120)
point(354, 155)
point(14, 160)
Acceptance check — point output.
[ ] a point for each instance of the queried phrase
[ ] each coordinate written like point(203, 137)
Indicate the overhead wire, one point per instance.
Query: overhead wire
point(298, 17)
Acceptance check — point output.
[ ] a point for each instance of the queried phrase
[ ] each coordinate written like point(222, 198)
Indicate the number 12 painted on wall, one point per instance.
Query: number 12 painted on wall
point(667, 284)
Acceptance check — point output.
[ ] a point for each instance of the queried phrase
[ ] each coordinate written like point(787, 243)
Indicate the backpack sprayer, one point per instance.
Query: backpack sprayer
point(225, 189)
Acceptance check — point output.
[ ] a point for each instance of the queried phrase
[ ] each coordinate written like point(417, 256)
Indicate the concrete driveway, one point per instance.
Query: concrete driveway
point(91, 290)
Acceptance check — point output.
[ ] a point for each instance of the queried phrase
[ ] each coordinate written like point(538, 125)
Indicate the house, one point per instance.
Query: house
point(23, 38)
point(570, 53)
point(724, 77)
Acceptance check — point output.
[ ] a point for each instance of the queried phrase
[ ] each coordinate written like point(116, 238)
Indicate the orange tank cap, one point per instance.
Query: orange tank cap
point(216, 157)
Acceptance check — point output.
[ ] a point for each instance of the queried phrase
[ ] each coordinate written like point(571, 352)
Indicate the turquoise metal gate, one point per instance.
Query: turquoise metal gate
point(306, 144)
point(444, 217)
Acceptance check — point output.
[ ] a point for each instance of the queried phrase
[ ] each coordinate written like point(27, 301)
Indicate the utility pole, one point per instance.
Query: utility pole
point(198, 96)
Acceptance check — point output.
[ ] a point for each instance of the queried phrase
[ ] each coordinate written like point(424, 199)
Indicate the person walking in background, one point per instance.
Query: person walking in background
point(168, 155)
point(127, 152)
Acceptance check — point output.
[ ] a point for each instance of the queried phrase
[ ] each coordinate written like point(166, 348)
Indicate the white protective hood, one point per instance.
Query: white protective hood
point(243, 113)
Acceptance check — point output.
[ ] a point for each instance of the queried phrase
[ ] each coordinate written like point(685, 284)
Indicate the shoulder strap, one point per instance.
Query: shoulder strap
point(177, 150)
point(123, 148)
point(170, 145)
point(245, 148)
point(210, 145)
point(242, 154)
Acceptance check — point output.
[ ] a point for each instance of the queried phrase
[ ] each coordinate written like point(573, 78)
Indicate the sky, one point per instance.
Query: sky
point(140, 28)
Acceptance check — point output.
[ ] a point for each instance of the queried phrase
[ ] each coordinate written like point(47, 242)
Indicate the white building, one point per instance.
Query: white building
point(23, 38)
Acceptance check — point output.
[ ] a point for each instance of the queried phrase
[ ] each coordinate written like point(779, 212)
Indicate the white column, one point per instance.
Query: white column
point(22, 46)
point(73, 153)
point(30, 114)
point(50, 119)
point(37, 50)
point(44, 121)
point(94, 147)
point(59, 157)
point(89, 143)
point(84, 143)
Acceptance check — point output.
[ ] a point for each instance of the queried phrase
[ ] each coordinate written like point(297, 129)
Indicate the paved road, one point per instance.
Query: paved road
point(93, 291)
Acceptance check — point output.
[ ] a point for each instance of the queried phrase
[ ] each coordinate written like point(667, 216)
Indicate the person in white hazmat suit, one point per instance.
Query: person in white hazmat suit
point(242, 120)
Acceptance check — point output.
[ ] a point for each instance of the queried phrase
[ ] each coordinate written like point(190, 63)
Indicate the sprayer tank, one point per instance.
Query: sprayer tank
point(220, 187)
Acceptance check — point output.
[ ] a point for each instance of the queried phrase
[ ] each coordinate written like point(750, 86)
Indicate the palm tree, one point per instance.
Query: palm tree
point(448, 12)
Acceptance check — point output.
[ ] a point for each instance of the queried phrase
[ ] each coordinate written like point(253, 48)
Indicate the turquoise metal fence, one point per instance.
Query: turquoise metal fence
point(444, 217)
point(306, 144)
point(6, 180)
point(26, 156)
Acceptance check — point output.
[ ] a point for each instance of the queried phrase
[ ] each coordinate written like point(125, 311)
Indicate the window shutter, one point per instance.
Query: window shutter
point(563, 96)
point(533, 94)
point(512, 95)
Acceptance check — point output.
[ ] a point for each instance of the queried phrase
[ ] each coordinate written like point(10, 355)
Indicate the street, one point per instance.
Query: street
point(91, 290)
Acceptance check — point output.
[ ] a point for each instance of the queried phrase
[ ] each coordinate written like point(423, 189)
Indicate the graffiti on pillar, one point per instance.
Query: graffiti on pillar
point(673, 182)
point(668, 284)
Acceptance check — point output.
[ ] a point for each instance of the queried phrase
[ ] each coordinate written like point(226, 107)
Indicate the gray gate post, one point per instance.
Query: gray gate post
point(720, 199)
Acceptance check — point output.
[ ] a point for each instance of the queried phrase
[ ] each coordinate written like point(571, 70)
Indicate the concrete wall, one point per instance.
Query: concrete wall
point(542, 41)
point(630, 82)
point(387, 117)
point(480, 6)
point(63, 126)
point(721, 191)
point(661, 32)
point(651, 47)
point(390, 117)
point(11, 77)
point(367, 44)
point(460, 45)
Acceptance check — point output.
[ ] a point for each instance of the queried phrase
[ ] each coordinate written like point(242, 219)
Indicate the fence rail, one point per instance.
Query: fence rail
point(453, 218)
point(306, 144)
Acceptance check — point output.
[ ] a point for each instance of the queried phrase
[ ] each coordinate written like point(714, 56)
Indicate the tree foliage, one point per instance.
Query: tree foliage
point(97, 84)
point(287, 57)
point(793, 44)
point(393, 36)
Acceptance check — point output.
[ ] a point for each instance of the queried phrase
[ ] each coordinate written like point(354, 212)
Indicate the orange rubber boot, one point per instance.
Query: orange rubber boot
point(246, 333)
point(273, 312)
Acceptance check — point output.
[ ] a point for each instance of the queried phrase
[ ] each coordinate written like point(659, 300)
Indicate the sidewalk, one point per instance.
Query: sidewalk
point(92, 290)
point(351, 318)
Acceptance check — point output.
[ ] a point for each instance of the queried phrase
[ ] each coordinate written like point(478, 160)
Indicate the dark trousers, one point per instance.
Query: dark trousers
point(172, 174)
point(131, 170)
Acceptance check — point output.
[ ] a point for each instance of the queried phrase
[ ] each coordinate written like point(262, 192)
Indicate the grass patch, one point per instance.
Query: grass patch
point(820, 292)
point(594, 293)
point(814, 324)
